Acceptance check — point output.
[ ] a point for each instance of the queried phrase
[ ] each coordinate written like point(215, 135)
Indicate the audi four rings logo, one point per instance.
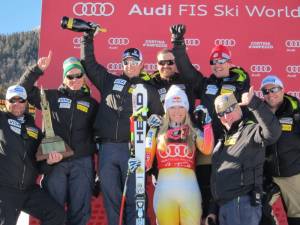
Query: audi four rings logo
point(192, 42)
point(292, 69)
point(118, 41)
point(114, 66)
point(292, 43)
point(93, 9)
point(150, 67)
point(225, 42)
point(261, 68)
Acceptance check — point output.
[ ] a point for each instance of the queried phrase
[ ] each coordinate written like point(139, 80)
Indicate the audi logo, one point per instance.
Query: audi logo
point(261, 68)
point(76, 42)
point(93, 9)
point(150, 66)
point(114, 66)
point(118, 41)
point(176, 150)
point(292, 43)
point(225, 42)
point(192, 42)
point(293, 69)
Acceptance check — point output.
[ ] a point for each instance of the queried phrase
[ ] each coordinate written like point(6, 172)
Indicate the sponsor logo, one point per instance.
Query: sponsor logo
point(292, 43)
point(226, 42)
point(292, 69)
point(155, 44)
point(114, 66)
point(93, 9)
point(77, 41)
point(261, 68)
point(150, 66)
point(261, 45)
point(118, 41)
point(192, 41)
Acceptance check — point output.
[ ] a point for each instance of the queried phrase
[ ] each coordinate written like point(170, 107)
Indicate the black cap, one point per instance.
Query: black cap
point(134, 53)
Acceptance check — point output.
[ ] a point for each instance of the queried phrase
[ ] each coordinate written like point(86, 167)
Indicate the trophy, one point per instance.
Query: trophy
point(51, 142)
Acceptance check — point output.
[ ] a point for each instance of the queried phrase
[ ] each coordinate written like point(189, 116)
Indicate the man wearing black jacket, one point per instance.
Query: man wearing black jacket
point(112, 125)
point(73, 111)
point(283, 157)
point(19, 140)
point(238, 158)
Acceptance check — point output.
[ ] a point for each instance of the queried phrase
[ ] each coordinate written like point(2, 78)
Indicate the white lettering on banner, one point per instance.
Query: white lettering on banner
point(192, 41)
point(225, 10)
point(261, 68)
point(150, 66)
point(192, 10)
point(114, 66)
point(294, 93)
point(261, 44)
point(155, 43)
point(77, 42)
point(292, 69)
point(93, 9)
point(226, 42)
point(118, 41)
point(271, 13)
point(292, 43)
point(164, 10)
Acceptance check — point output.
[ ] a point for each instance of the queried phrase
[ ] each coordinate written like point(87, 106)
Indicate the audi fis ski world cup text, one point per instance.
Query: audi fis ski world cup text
point(108, 9)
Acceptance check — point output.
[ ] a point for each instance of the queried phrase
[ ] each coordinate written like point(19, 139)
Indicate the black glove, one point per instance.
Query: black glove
point(201, 116)
point(177, 32)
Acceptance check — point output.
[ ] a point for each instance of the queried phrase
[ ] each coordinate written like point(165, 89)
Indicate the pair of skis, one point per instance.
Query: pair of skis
point(138, 124)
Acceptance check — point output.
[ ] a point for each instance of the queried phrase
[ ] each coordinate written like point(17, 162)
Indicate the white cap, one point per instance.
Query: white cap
point(176, 97)
point(16, 91)
point(271, 79)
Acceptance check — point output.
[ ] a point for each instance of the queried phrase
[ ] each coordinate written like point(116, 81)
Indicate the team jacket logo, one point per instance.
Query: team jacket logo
point(292, 43)
point(261, 68)
point(64, 103)
point(192, 41)
point(292, 69)
point(14, 125)
point(226, 42)
point(93, 9)
point(119, 84)
point(118, 41)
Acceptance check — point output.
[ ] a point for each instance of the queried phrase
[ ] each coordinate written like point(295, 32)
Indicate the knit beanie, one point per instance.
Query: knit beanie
point(71, 63)
point(176, 97)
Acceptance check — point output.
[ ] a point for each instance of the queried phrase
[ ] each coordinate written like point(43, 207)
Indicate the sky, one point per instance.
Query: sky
point(20, 15)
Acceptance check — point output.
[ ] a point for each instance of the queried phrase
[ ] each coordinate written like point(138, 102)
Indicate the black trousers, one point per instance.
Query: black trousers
point(35, 202)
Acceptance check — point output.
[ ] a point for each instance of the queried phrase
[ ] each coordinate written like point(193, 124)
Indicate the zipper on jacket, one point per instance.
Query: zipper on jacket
point(71, 121)
point(119, 113)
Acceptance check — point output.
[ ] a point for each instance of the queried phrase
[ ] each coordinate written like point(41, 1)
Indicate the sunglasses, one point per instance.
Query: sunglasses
point(19, 100)
point(169, 62)
point(230, 109)
point(271, 90)
point(131, 63)
point(218, 61)
point(73, 76)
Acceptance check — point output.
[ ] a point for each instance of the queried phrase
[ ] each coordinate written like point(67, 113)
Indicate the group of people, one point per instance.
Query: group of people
point(213, 161)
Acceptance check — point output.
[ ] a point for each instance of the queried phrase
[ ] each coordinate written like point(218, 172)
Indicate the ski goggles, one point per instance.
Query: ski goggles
point(73, 76)
point(218, 61)
point(230, 109)
point(131, 62)
point(271, 90)
point(168, 62)
point(15, 100)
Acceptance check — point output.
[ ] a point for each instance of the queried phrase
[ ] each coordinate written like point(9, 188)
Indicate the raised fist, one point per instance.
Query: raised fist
point(177, 32)
point(201, 115)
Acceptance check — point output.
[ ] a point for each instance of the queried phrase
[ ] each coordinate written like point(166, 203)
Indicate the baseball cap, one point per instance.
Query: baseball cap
point(132, 53)
point(220, 52)
point(71, 63)
point(271, 79)
point(224, 101)
point(16, 91)
point(176, 97)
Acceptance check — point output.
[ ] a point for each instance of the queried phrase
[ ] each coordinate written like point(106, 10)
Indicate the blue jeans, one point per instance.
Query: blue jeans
point(239, 211)
point(71, 182)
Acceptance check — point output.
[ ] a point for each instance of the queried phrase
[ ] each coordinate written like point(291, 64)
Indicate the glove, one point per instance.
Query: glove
point(154, 120)
point(133, 164)
point(177, 32)
point(201, 115)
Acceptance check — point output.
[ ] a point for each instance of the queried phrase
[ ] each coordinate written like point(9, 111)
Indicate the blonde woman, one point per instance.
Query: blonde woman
point(177, 197)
